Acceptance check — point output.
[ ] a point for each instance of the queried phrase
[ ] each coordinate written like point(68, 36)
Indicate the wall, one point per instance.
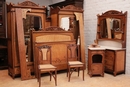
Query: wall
point(94, 7)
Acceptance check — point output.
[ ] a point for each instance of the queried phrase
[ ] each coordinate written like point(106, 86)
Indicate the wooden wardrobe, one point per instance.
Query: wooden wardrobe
point(22, 18)
point(76, 24)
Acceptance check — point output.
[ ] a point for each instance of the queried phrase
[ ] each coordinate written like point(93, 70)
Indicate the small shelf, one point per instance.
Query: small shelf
point(110, 39)
point(3, 47)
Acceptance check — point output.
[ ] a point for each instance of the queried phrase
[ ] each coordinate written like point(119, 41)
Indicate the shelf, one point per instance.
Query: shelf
point(3, 47)
point(3, 67)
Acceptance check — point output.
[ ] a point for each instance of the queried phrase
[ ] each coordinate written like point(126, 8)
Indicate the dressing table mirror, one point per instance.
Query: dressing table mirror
point(110, 44)
point(111, 26)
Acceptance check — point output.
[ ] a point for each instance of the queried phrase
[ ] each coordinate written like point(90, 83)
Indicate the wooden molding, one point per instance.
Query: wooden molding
point(112, 12)
point(28, 3)
point(72, 8)
point(54, 28)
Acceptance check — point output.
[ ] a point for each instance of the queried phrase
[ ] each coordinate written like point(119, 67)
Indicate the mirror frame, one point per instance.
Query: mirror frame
point(113, 14)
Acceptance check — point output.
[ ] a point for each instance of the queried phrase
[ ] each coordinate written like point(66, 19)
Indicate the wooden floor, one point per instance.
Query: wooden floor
point(108, 80)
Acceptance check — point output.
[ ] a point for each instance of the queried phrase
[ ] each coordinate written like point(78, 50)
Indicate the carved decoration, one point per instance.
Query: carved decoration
point(54, 28)
point(24, 11)
point(112, 12)
point(28, 3)
point(59, 61)
point(71, 7)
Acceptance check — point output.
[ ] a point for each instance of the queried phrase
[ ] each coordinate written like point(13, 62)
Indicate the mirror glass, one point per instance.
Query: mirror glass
point(31, 22)
point(110, 28)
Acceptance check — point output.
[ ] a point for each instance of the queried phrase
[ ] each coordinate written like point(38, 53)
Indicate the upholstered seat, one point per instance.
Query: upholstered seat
point(75, 63)
point(46, 67)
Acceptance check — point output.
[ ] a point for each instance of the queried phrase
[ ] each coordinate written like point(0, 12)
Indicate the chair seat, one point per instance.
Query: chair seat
point(46, 66)
point(75, 63)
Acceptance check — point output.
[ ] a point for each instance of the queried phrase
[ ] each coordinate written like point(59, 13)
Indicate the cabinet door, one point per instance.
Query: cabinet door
point(120, 61)
point(109, 60)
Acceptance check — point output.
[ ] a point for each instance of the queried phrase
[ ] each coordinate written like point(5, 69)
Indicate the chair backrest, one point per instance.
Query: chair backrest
point(44, 54)
point(72, 52)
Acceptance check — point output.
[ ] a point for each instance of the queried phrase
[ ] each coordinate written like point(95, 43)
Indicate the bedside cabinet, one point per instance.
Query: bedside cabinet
point(96, 62)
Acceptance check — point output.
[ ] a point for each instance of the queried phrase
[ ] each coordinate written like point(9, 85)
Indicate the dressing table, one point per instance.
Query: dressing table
point(108, 53)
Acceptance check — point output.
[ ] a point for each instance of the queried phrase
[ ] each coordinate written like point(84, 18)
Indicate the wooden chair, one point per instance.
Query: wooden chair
point(44, 63)
point(74, 64)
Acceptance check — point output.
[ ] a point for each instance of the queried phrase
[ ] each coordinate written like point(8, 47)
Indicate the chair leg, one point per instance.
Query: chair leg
point(67, 70)
point(78, 70)
point(39, 78)
point(50, 75)
point(69, 74)
point(54, 74)
point(56, 77)
point(83, 73)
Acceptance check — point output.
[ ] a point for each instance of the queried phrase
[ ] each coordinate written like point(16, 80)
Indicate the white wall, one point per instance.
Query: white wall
point(94, 7)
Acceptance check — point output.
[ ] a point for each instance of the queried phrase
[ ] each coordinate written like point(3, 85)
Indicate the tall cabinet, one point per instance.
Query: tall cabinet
point(22, 18)
point(72, 17)
point(3, 36)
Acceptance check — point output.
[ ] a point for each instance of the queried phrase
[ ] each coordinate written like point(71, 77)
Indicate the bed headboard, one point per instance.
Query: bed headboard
point(58, 39)
point(52, 34)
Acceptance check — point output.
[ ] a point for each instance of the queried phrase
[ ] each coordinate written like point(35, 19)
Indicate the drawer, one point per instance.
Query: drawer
point(109, 62)
point(97, 52)
point(109, 58)
point(109, 54)
point(109, 67)
point(17, 70)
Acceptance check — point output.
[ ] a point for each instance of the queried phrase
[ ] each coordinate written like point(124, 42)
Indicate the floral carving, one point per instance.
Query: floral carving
point(71, 7)
point(59, 61)
point(54, 28)
point(28, 3)
point(112, 12)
